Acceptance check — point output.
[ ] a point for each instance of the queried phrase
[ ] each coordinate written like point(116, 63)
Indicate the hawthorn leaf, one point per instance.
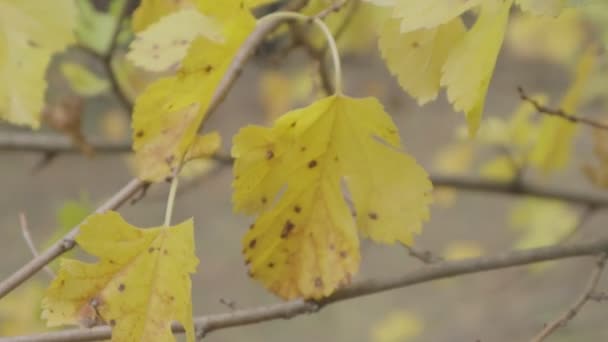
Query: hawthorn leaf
point(30, 33)
point(94, 28)
point(168, 113)
point(164, 44)
point(470, 65)
point(417, 57)
point(304, 242)
point(553, 148)
point(139, 286)
point(82, 80)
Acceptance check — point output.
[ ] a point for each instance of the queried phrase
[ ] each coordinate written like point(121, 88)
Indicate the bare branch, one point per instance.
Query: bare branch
point(559, 112)
point(286, 310)
point(30, 242)
point(574, 309)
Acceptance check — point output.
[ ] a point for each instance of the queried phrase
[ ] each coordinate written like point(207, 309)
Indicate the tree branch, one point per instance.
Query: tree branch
point(573, 310)
point(559, 112)
point(286, 310)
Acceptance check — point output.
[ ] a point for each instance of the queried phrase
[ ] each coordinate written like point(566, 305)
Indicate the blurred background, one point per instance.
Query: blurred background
point(56, 191)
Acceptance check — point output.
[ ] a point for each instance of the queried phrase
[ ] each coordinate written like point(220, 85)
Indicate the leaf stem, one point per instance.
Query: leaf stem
point(171, 199)
point(331, 42)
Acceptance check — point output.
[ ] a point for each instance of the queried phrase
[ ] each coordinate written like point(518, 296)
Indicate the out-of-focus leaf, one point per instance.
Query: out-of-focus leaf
point(82, 80)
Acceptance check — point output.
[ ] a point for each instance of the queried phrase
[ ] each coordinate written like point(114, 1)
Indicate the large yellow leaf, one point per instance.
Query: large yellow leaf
point(417, 57)
point(554, 145)
point(139, 286)
point(30, 33)
point(304, 242)
point(470, 65)
point(168, 113)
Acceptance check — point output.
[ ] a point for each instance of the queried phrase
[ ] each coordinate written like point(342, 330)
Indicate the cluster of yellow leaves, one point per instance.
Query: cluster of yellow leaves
point(304, 242)
point(140, 284)
point(427, 46)
point(30, 33)
point(168, 113)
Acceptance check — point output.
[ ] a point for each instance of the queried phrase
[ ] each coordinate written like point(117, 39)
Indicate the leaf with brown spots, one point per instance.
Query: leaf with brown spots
point(304, 228)
point(133, 287)
point(167, 115)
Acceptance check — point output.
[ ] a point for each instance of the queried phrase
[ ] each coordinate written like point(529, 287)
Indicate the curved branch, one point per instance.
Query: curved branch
point(286, 310)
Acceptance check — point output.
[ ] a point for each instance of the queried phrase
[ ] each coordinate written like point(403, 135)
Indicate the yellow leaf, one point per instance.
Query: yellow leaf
point(542, 222)
point(416, 14)
point(416, 57)
point(398, 326)
point(462, 249)
point(168, 113)
point(83, 81)
point(455, 158)
point(150, 11)
point(163, 45)
point(139, 286)
point(542, 7)
point(30, 33)
point(304, 242)
point(554, 145)
point(470, 65)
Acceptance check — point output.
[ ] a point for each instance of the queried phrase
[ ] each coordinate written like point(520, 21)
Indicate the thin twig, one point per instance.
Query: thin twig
point(559, 112)
point(574, 309)
point(335, 7)
point(30, 242)
point(206, 324)
point(425, 256)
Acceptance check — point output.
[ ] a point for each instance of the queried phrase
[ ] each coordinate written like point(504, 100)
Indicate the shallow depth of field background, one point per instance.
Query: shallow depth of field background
point(507, 305)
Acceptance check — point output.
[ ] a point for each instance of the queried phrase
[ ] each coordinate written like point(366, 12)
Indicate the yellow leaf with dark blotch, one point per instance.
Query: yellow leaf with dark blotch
point(470, 65)
point(304, 242)
point(140, 284)
point(416, 57)
point(30, 33)
point(168, 113)
point(160, 147)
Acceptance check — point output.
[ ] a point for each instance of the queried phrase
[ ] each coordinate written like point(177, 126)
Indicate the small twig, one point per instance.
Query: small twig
point(574, 309)
point(425, 256)
point(559, 112)
point(30, 242)
point(231, 304)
